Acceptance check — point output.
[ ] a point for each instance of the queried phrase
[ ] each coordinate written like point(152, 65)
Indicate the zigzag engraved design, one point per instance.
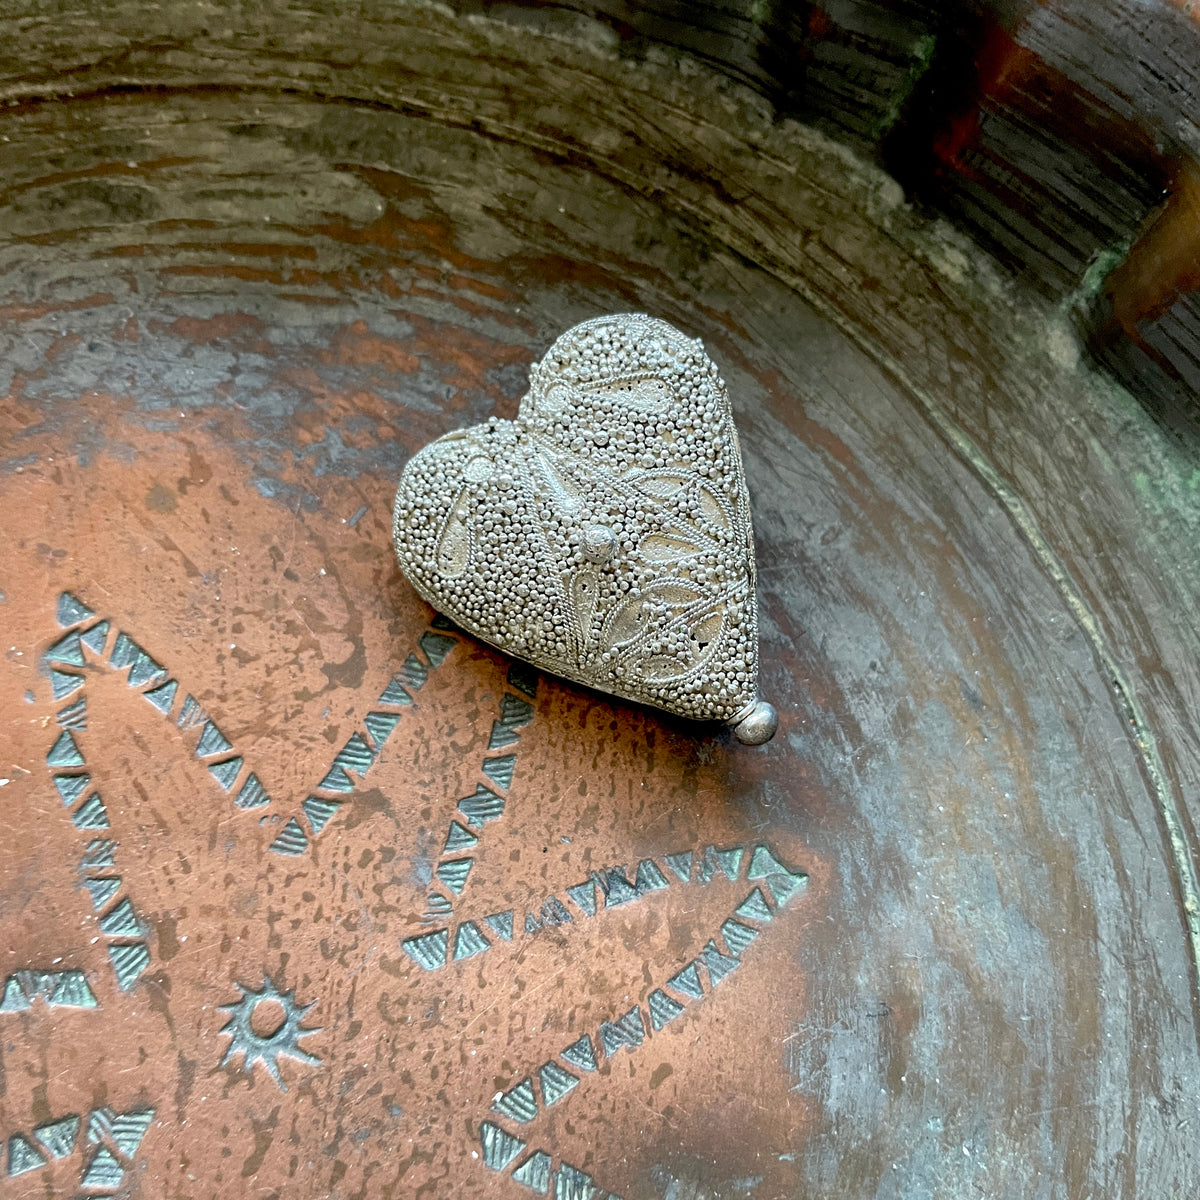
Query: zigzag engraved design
point(111, 1141)
point(213, 748)
point(603, 889)
point(124, 930)
point(773, 886)
point(487, 803)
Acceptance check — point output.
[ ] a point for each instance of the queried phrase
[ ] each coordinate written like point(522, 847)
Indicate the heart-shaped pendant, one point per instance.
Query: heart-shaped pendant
point(604, 535)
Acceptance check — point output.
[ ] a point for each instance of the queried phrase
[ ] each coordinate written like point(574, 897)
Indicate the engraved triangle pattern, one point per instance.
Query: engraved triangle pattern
point(125, 932)
point(605, 534)
point(761, 887)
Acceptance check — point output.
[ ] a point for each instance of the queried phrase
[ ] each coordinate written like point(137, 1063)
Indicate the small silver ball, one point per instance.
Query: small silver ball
point(599, 542)
point(758, 725)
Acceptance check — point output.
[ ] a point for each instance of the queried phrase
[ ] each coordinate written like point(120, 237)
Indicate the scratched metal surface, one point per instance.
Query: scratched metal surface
point(228, 318)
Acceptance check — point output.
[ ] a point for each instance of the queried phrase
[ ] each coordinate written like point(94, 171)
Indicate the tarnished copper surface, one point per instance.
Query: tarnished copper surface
point(284, 616)
point(286, 627)
point(226, 323)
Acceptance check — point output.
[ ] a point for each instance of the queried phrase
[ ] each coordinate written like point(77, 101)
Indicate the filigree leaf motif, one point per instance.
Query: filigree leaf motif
point(667, 548)
point(585, 592)
point(604, 534)
point(660, 603)
point(454, 546)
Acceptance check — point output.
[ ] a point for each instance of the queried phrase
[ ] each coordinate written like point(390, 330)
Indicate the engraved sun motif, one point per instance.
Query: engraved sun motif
point(263, 1007)
point(265, 1024)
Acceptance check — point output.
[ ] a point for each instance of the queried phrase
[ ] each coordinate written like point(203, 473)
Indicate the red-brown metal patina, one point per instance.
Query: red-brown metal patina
point(286, 627)
point(303, 894)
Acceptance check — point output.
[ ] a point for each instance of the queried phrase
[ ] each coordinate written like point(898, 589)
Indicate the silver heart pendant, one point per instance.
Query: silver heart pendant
point(604, 535)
